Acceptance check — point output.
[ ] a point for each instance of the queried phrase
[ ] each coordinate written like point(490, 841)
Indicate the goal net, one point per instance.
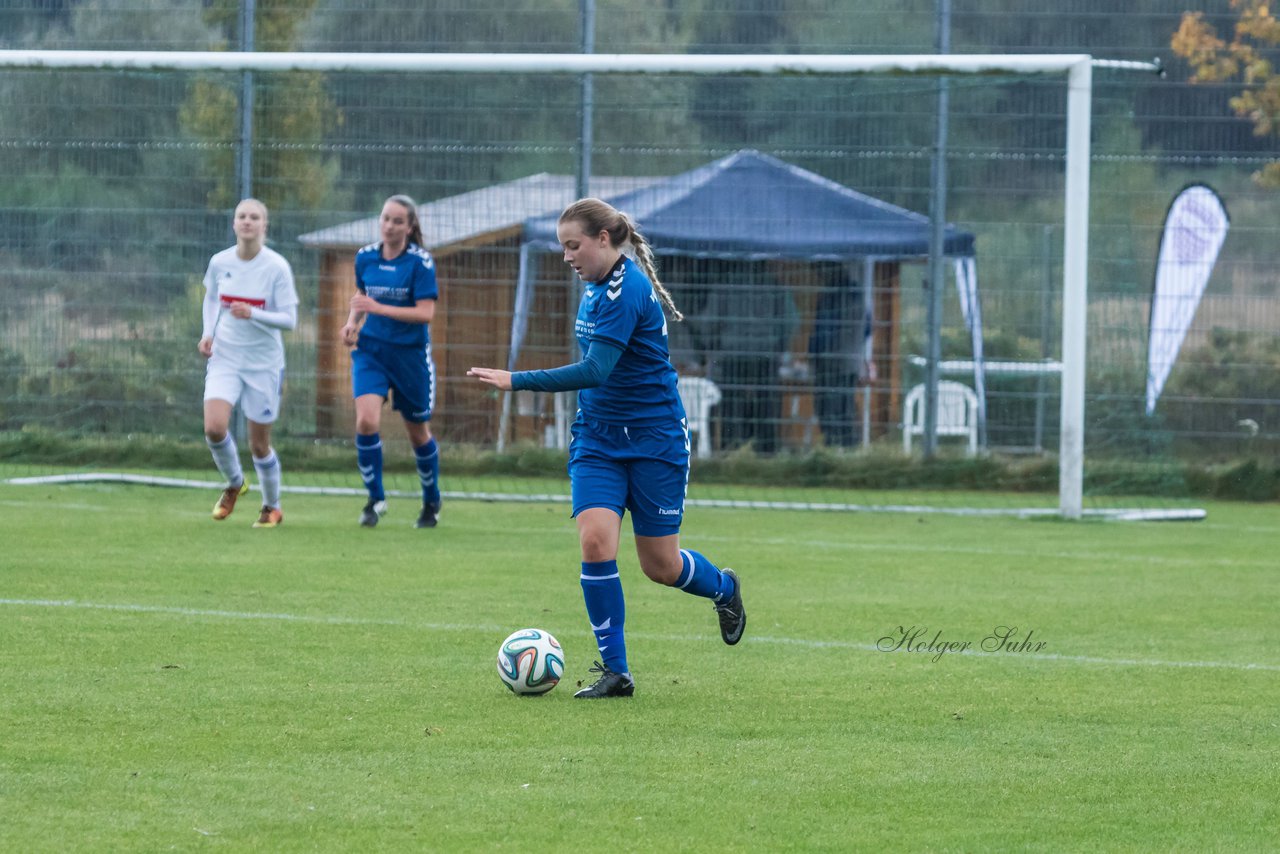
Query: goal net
point(787, 197)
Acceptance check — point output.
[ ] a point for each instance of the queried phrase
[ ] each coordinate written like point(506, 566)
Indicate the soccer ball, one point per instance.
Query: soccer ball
point(530, 661)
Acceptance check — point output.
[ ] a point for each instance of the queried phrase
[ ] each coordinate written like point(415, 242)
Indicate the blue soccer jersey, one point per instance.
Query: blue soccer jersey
point(623, 310)
point(402, 281)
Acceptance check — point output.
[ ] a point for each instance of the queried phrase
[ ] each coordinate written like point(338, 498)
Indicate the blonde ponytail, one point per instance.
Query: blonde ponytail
point(597, 216)
point(644, 257)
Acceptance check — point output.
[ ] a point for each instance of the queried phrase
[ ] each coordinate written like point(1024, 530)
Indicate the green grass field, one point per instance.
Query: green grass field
point(174, 683)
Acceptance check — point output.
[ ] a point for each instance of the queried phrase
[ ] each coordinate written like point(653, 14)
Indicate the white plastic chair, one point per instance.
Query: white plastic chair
point(957, 414)
point(699, 395)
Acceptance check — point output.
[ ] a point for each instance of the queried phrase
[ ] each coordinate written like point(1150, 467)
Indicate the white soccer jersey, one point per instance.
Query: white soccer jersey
point(265, 282)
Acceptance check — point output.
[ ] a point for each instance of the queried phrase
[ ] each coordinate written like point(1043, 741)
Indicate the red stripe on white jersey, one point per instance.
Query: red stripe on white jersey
point(228, 299)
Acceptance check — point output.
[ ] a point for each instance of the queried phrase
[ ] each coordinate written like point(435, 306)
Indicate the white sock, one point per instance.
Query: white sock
point(268, 469)
point(227, 458)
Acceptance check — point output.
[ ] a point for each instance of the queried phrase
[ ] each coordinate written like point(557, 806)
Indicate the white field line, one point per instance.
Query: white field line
point(480, 627)
point(58, 505)
point(871, 547)
point(852, 545)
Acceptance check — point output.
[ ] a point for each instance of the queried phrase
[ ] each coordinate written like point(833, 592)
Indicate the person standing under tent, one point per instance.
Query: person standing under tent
point(249, 299)
point(388, 329)
point(630, 445)
point(754, 317)
point(837, 350)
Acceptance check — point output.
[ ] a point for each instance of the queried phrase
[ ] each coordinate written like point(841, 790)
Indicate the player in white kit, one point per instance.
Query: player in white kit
point(249, 299)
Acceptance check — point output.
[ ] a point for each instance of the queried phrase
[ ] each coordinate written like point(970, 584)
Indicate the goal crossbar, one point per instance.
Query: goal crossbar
point(546, 63)
point(1078, 69)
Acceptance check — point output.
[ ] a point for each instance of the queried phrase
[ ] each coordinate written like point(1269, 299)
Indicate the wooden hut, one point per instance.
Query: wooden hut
point(746, 205)
point(475, 239)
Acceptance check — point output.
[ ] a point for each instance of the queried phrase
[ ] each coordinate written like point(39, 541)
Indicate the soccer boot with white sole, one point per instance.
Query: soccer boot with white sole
point(227, 501)
point(372, 512)
point(429, 516)
point(609, 684)
point(733, 619)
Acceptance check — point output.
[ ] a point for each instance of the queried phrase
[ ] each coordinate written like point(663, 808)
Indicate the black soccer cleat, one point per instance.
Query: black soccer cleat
point(733, 619)
point(372, 512)
point(609, 684)
point(429, 516)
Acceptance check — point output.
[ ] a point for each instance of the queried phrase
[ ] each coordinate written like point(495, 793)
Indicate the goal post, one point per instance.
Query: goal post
point(1076, 68)
point(1075, 291)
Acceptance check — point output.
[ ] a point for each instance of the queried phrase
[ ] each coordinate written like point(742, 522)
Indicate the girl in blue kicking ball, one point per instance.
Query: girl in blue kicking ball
point(630, 445)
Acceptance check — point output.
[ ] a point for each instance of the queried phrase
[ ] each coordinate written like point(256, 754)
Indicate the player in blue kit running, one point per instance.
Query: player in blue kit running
point(396, 279)
point(630, 446)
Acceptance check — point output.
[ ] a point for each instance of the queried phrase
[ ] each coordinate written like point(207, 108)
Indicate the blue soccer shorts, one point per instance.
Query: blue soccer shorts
point(405, 374)
point(641, 469)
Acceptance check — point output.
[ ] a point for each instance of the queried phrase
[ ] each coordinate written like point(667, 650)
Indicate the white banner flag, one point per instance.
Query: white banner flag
point(1194, 230)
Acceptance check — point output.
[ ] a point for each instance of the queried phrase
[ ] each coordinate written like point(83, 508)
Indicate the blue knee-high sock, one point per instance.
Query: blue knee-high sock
point(700, 577)
point(602, 590)
point(369, 461)
point(428, 458)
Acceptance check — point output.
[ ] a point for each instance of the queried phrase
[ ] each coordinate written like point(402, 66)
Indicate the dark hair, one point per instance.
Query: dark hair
point(415, 227)
point(596, 216)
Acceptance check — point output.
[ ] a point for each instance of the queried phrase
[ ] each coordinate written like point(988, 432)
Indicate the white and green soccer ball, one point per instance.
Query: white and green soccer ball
point(530, 661)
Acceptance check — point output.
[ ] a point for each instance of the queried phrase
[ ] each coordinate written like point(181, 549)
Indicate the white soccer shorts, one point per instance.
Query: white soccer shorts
point(257, 392)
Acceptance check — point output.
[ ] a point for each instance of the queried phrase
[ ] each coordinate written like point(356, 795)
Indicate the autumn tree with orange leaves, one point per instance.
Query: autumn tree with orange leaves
point(1244, 58)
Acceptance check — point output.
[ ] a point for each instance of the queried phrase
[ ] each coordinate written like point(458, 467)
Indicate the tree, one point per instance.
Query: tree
point(292, 113)
point(89, 146)
point(1244, 58)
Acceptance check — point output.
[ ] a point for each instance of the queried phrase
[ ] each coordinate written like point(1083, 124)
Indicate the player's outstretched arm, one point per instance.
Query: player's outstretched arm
point(596, 365)
point(493, 376)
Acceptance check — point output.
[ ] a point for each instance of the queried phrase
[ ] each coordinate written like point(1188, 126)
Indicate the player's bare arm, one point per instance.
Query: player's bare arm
point(493, 376)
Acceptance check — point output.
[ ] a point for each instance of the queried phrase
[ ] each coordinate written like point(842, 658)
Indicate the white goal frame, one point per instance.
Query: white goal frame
point(1077, 68)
